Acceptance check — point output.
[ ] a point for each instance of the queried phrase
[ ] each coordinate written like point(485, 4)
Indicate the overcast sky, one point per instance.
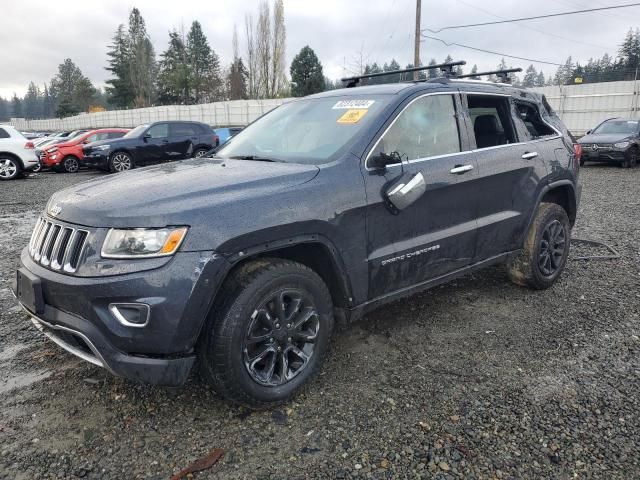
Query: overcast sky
point(37, 35)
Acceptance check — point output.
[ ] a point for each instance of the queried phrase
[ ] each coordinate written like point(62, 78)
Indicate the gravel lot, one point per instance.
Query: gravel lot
point(475, 379)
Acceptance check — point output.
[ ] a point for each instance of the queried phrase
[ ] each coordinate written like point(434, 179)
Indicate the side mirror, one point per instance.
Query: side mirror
point(404, 191)
point(588, 132)
point(380, 160)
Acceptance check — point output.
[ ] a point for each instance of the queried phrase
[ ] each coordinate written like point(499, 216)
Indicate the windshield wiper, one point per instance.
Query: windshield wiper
point(253, 157)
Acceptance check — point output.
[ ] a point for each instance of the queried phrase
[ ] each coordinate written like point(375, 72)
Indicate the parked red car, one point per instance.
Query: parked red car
point(67, 156)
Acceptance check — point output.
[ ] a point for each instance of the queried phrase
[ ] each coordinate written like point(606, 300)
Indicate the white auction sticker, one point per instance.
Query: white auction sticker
point(348, 104)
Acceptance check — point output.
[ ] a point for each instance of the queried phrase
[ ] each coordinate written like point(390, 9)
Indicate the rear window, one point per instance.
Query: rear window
point(535, 126)
point(4, 133)
point(184, 130)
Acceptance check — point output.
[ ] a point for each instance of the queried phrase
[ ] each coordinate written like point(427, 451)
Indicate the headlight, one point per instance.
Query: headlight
point(621, 145)
point(102, 147)
point(54, 156)
point(142, 243)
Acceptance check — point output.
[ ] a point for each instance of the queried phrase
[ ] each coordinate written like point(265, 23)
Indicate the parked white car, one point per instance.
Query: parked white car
point(17, 154)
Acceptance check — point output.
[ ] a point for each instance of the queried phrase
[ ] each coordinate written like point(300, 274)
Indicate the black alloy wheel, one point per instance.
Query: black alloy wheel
point(552, 248)
point(280, 340)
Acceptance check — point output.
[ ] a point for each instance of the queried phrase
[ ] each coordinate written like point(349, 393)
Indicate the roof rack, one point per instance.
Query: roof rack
point(447, 70)
point(503, 75)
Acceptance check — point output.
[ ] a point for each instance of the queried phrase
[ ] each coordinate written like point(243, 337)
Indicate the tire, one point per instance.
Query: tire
point(533, 267)
point(37, 168)
point(120, 162)
point(199, 152)
point(70, 164)
point(10, 168)
point(630, 158)
point(250, 372)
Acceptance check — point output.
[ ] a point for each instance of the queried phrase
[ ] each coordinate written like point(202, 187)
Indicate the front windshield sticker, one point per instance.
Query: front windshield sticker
point(345, 104)
point(352, 116)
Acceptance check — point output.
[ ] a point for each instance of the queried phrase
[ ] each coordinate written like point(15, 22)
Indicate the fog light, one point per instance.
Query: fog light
point(131, 314)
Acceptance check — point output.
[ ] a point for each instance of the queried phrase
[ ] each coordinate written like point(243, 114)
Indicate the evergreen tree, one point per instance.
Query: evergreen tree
point(119, 89)
point(237, 80)
point(306, 73)
point(141, 61)
point(4, 110)
point(433, 73)
point(204, 66)
point(32, 103)
point(530, 77)
point(73, 91)
point(16, 107)
point(174, 73)
point(48, 103)
point(474, 70)
point(540, 81)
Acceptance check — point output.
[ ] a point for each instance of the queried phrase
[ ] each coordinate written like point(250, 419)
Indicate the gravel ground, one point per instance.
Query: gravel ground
point(475, 379)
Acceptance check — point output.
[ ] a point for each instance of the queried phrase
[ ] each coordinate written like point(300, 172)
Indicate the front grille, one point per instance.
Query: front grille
point(57, 246)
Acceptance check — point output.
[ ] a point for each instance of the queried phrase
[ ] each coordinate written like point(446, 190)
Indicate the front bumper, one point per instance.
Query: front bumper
point(609, 156)
point(96, 160)
point(74, 313)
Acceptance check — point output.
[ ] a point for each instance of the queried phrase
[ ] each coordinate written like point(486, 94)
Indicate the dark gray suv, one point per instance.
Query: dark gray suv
point(616, 140)
point(321, 210)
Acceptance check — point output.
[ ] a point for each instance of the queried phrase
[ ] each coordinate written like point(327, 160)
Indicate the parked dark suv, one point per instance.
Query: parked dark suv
point(151, 143)
point(321, 210)
point(616, 140)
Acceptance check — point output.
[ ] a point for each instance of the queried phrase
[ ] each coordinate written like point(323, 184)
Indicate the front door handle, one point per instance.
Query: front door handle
point(460, 169)
point(529, 155)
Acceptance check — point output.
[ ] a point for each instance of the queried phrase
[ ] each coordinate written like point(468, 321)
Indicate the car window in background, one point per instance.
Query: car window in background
point(618, 126)
point(136, 132)
point(4, 133)
point(183, 130)
point(112, 135)
point(159, 131)
point(306, 131)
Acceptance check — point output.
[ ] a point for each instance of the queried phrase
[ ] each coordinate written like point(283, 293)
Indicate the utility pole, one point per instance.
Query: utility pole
point(416, 52)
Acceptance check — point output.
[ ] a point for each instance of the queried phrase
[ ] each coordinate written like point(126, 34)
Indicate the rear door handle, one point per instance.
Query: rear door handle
point(459, 169)
point(529, 155)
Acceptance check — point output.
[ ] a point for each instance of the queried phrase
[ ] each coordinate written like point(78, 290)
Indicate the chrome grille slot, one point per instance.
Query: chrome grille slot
point(57, 246)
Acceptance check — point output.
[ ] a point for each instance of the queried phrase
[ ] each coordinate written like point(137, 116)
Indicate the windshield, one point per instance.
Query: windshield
point(136, 132)
point(618, 126)
point(309, 131)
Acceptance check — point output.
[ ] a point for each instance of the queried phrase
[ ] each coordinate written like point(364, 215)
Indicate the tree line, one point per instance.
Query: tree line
point(189, 71)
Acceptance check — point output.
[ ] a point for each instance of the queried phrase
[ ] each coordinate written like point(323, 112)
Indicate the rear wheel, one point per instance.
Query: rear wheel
point(120, 162)
point(545, 251)
point(200, 152)
point(269, 333)
point(10, 168)
point(70, 164)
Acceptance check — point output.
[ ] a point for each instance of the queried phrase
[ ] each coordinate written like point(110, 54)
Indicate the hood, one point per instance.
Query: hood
point(176, 193)
point(60, 145)
point(604, 138)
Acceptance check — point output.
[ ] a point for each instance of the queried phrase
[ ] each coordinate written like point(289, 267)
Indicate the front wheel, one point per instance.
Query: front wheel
point(269, 333)
point(70, 164)
point(545, 251)
point(200, 152)
point(120, 162)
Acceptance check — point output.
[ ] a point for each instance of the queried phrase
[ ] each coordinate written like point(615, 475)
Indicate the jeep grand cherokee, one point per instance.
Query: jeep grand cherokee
point(323, 209)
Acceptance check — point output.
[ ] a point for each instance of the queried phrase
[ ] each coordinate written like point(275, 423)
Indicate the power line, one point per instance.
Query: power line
point(449, 44)
point(537, 29)
point(588, 10)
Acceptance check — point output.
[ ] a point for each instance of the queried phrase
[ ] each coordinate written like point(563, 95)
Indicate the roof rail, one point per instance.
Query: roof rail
point(503, 75)
point(447, 70)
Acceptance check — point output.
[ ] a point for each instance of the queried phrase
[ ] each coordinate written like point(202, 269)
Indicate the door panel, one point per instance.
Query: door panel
point(437, 233)
point(181, 138)
point(154, 149)
point(510, 169)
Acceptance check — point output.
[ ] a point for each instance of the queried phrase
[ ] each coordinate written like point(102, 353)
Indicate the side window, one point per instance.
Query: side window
point(111, 135)
point(183, 130)
point(530, 116)
point(428, 127)
point(4, 133)
point(159, 131)
point(92, 138)
point(491, 120)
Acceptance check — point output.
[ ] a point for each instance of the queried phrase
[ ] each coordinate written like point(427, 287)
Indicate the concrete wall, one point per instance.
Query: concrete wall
point(582, 107)
point(232, 113)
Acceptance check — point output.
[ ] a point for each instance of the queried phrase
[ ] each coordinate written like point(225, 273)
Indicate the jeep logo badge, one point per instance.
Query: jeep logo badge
point(55, 210)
